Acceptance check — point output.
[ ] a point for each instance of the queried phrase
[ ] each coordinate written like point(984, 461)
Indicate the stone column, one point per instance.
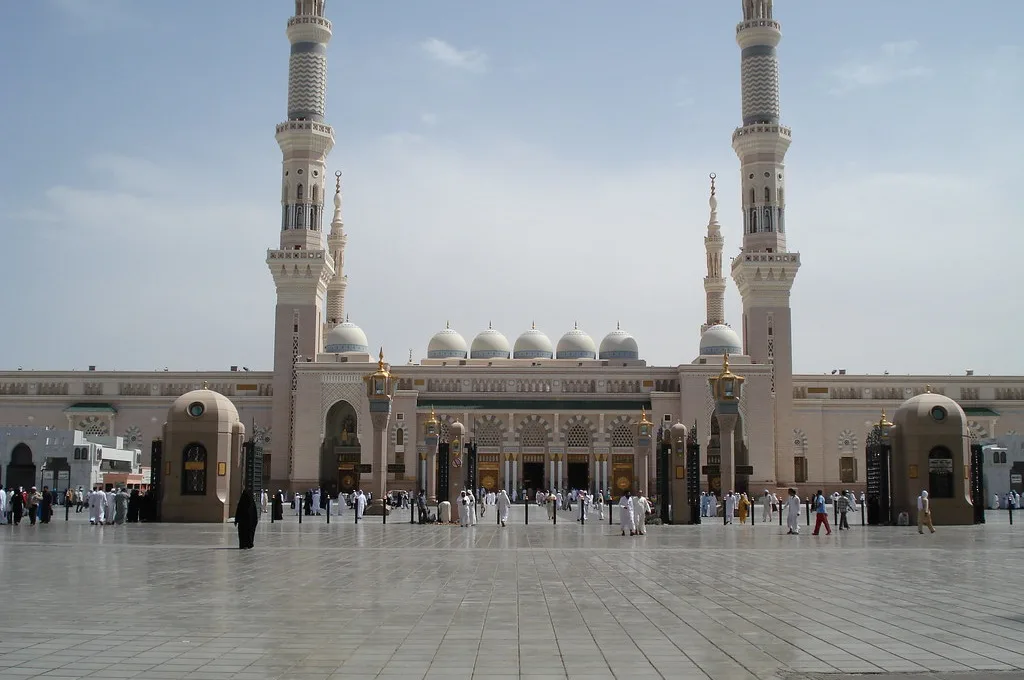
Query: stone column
point(642, 473)
point(508, 474)
point(727, 443)
point(432, 474)
point(456, 470)
point(516, 484)
point(559, 484)
point(421, 476)
point(380, 414)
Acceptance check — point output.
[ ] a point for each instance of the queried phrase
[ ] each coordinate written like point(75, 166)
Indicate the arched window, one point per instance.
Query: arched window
point(622, 436)
point(534, 434)
point(314, 193)
point(578, 436)
point(940, 472)
point(299, 192)
point(767, 195)
point(753, 196)
point(753, 221)
point(400, 437)
point(193, 470)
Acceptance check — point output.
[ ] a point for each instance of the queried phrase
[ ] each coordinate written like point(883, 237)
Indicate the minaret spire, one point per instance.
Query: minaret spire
point(714, 282)
point(336, 244)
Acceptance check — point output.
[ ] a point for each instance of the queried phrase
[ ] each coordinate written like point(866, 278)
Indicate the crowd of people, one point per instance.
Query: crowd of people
point(110, 506)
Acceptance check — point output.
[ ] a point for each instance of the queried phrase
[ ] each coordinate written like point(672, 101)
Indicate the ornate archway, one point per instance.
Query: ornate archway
point(340, 452)
point(21, 471)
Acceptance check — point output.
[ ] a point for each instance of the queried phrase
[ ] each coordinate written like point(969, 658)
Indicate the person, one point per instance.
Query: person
point(360, 503)
point(627, 517)
point(133, 506)
point(264, 501)
point(767, 503)
point(34, 499)
point(246, 519)
point(744, 506)
point(503, 503)
point(97, 504)
point(464, 509)
point(641, 506)
point(820, 515)
point(120, 505)
point(712, 504)
point(924, 513)
point(3, 505)
point(46, 506)
point(842, 507)
point(793, 512)
point(730, 507)
point(277, 507)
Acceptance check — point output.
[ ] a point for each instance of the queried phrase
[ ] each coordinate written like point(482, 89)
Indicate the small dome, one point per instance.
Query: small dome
point(720, 339)
point(619, 345)
point(927, 413)
point(346, 337)
point(533, 344)
point(447, 344)
point(576, 345)
point(489, 344)
point(203, 405)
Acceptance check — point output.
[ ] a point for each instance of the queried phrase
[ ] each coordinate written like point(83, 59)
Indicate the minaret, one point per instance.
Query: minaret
point(336, 244)
point(714, 282)
point(764, 270)
point(302, 269)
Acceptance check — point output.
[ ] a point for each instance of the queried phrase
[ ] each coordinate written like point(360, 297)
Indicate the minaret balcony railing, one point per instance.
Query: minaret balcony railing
point(319, 21)
point(759, 23)
point(763, 128)
point(295, 254)
point(304, 125)
point(779, 258)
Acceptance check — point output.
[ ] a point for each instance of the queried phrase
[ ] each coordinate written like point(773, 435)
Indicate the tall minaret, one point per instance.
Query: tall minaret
point(301, 267)
point(764, 270)
point(714, 282)
point(336, 244)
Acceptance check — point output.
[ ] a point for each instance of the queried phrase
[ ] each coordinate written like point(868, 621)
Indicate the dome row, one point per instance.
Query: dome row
point(533, 344)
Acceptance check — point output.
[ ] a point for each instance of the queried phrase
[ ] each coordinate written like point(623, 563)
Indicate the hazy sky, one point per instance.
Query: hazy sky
point(508, 162)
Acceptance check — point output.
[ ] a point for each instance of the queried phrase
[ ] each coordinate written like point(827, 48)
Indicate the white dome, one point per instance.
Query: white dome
point(346, 337)
point(720, 339)
point(576, 345)
point(533, 344)
point(489, 344)
point(619, 345)
point(447, 344)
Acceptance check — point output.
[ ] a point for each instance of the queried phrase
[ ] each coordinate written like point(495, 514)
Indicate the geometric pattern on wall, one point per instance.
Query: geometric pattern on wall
point(977, 430)
point(307, 83)
point(533, 431)
point(93, 426)
point(620, 432)
point(799, 443)
point(578, 431)
point(133, 437)
point(489, 430)
point(760, 81)
point(342, 388)
point(847, 441)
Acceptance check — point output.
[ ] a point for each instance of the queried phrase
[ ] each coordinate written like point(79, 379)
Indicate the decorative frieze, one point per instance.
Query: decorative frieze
point(135, 389)
point(52, 389)
point(624, 387)
point(13, 388)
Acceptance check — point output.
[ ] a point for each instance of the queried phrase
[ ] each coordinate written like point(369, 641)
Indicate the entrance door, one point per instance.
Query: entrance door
point(578, 475)
point(622, 475)
point(533, 476)
point(21, 471)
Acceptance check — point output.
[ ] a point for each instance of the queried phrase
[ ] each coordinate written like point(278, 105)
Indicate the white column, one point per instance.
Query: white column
point(560, 482)
point(515, 473)
point(508, 480)
point(423, 475)
point(605, 475)
point(551, 475)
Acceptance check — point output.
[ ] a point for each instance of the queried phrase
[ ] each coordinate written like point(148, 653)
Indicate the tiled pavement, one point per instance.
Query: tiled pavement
point(410, 602)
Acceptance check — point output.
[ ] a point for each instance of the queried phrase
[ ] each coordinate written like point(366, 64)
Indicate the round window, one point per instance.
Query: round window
point(938, 413)
point(196, 409)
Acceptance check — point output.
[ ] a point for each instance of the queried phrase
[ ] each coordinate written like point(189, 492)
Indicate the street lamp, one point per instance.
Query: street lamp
point(878, 454)
point(727, 390)
point(380, 388)
point(428, 463)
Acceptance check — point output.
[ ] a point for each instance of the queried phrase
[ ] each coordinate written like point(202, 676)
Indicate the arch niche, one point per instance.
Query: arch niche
point(340, 453)
point(21, 471)
point(742, 456)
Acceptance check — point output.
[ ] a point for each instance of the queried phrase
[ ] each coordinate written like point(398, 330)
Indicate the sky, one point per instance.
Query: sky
point(508, 162)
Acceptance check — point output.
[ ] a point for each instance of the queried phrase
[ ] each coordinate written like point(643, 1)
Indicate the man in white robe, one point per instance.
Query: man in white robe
point(641, 506)
point(264, 501)
point(515, 495)
point(97, 506)
point(599, 499)
point(472, 508)
point(109, 511)
point(316, 503)
point(360, 503)
point(712, 505)
point(627, 519)
point(793, 512)
point(766, 507)
point(584, 501)
point(464, 511)
point(504, 503)
point(3, 506)
point(729, 507)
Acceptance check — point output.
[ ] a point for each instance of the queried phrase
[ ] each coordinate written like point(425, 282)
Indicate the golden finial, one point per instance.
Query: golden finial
point(928, 389)
point(447, 325)
point(643, 416)
point(713, 178)
point(380, 361)
point(883, 422)
point(725, 363)
point(533, 325)
point(575, 325)
point(618, 326)
point(337, 182)
point(206, 385)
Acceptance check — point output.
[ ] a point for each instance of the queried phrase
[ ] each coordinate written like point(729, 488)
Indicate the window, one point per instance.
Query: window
point(400, 437)
point(767, 195)
point(489, 434)
point(299, 192)
point(848, 470)
point(578, 436)
point(193, 470)
point(940, 472)
point(622, 436)
point(534, 434)
point(800, 469)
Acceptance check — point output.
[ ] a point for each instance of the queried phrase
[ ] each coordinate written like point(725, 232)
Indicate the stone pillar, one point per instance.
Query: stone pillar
point(508, 473)
point(559, 484)
point(457, 471)
point(432, 473)
point(727, 443)
point(515, 472)
point(680, 497)
point(380, 414)
point(421, 476)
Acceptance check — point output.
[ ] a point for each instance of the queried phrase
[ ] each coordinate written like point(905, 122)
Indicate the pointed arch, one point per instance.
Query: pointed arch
point(300, 192)
point(620, 432)
point(489, 430)
point(533, 431)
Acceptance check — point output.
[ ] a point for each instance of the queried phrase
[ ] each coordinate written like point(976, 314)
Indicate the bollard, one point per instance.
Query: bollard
point(527, 506)
point(412, 512)
point(67, 509)
point(609, 512)
point(835, 514)
point(808, 506)
point(583, 517)
point(384, 514)
point(1009, 508)
point(299, 500)
point(497, 514)
point(554, 514)
point(355, 511)
point(328, 508)
point(862, 514)
point(780, 514)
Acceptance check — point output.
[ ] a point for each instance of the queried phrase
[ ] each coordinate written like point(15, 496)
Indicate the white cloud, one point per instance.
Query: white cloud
point(892, 62)
point(428, 119)
point(445, 53)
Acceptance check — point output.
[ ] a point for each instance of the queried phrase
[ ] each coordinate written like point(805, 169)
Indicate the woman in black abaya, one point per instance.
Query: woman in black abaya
point(246, 519)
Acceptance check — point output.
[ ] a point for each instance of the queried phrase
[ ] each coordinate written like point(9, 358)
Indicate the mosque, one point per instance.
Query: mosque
point(542, 414)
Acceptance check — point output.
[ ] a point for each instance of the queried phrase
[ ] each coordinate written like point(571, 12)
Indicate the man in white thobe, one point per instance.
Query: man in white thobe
point(504, 503)
point(766, 507)
point(584, 501)
point(3, 506)
point(599, 499)
point(712, 505)
point(109, 511)
point(793, 512)
point(464, 511)
point(641, 506)
point(472, 508)
point(264, 501)
point(627, 519)
point(316, 503)
point(97, 505)
point(729, 507)
point(360, 503)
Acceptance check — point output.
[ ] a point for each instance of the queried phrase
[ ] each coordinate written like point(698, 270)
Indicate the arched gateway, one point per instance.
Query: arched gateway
point(21, 471)
point(340, 452)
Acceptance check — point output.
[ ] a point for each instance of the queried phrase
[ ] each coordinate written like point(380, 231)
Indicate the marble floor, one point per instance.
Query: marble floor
point(316, 601)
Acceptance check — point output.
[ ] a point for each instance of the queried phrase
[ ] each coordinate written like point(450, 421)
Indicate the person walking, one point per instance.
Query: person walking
point(792, 512)
point(246, 519)
point(821, 515)
point(924, 513)
point(842, 507)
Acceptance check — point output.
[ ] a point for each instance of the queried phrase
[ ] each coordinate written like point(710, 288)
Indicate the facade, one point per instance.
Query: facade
point(46, 456)
point(541, 414)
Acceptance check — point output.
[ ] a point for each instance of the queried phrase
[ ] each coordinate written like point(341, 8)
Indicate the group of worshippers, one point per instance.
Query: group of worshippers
point(1012, 501)
point(469, 510)
point(633, 511)
point(16, 504)
point(114, 506)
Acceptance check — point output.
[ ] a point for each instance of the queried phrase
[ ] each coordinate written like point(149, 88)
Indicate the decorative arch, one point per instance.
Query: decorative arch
point(581, 428)
point(94, 426)
point(620, 432)
point(341, 425)
point(533, 431)
point(977, 430)
point(489, 430)
point(847, 441)
point(445, 422)
point(799, 442)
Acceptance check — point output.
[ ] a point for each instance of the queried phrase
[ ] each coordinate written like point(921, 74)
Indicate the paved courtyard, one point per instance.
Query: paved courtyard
point(399, 601)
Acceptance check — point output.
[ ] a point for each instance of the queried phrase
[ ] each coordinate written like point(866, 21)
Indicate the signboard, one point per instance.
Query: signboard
point(744, 469)
point(711, 470)
point(396, 468)
point(365, 468)
point(1014, 479)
